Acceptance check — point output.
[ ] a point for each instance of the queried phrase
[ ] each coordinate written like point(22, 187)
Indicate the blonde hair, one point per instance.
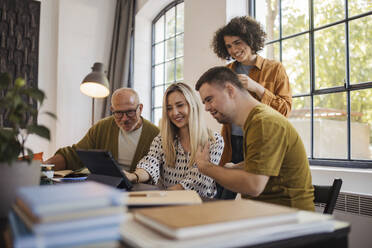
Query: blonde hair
point(199, 133)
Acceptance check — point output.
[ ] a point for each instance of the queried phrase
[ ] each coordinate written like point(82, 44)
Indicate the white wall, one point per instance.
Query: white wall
point(199, 30)
point(48, 43)
point(73, 35)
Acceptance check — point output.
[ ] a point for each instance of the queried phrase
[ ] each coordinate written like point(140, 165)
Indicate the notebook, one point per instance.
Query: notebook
point(180, 222)
point(162, 198)
point(49, 200)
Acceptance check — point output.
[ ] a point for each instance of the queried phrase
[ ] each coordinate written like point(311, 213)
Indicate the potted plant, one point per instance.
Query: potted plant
point(17, 121)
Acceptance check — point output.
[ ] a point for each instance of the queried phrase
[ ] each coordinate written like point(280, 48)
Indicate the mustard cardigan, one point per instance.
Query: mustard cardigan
point(104, 135)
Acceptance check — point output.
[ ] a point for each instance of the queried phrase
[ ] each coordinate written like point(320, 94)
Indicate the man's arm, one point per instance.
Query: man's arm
point(234, 179)
point(58, 160)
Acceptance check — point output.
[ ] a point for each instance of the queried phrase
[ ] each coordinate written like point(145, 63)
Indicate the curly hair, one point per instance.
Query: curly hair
point(246, 28)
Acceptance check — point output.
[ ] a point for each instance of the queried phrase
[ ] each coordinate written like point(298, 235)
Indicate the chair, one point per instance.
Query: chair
point(327, 195)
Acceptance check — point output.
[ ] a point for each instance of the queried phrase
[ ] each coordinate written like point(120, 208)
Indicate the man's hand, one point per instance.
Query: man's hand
point(58, 160)
point(251, 85)
point(202, 158)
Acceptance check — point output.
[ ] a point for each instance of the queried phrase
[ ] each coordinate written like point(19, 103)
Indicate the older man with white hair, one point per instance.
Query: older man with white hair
point(125, 134)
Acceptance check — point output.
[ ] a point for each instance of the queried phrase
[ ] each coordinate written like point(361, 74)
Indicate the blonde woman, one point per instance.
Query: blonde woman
point(171, 158)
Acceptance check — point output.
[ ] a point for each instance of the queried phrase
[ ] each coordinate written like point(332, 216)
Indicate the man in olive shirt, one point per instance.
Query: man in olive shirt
point(125, 134)
point(275, 167)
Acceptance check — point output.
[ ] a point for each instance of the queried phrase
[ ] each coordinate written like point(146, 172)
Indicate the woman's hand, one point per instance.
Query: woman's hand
point(176, 187)
point(131, 176)
point(251, 85)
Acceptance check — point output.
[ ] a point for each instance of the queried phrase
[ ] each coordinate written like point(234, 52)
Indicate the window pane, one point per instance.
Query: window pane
point(361, 124)
point(300, 119)
point(158, 96)
point(330, 126)
point(330, 57)
point(328, 11)
point(267, 13)
point(170, 49)
point(179, 45)
point(159, 53)
point(357, 7)
point(157, 116)
point(159, 30)
point(169, 67)
point(170, 24)
point(296, 63)
point(295, 16)
point(360, 45)
point(159, 74)
point(180, 17)
point(179, 66)
point(271, 51)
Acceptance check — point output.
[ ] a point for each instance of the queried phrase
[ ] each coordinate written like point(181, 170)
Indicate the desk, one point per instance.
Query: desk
point(136, 235)
point(335, 239)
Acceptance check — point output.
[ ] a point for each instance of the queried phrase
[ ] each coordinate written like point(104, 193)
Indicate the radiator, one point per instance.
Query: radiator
point(357, 210)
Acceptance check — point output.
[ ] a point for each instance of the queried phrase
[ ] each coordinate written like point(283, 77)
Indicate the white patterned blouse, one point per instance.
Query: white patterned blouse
point(188, 177)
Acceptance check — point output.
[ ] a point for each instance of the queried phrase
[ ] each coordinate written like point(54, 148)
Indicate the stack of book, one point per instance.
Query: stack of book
point(67, 215)
point(220, 224)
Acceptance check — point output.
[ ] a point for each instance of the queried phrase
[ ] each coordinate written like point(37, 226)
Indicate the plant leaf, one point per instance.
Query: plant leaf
point(40, 130)
point(50, 114)
point(35, 93)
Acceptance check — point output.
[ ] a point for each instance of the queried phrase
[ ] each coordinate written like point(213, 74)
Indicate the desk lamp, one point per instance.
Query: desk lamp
point(95, 85)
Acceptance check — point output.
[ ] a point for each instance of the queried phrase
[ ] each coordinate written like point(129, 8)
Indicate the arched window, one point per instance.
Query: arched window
point(167, 54)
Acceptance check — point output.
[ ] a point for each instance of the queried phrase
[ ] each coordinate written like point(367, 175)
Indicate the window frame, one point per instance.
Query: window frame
point(162, 13)
point(347, 88)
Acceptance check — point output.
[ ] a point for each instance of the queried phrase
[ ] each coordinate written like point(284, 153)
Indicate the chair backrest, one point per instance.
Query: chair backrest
point(327, 195)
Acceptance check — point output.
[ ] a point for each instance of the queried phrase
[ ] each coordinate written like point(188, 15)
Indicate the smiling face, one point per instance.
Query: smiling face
point(126, 101)
point(217, 102)
point(178, 109)
point(239, 50)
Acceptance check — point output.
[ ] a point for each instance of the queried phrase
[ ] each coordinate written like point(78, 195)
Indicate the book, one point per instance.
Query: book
point(67, 216)
point(48, 200)
point(70, 224)
point(22, 237)
point(162, 198)
point(134, 234)
point(179, 222)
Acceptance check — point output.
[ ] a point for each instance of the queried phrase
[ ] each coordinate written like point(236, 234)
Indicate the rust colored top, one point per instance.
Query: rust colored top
point(272, 76)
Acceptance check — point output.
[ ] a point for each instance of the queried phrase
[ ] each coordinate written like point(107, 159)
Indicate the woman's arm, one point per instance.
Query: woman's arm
point(138, 176)
point(151, 163)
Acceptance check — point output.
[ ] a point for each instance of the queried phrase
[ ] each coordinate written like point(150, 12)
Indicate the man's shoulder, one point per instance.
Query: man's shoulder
point(105, 121)
point(263, 114)
point(149, 125)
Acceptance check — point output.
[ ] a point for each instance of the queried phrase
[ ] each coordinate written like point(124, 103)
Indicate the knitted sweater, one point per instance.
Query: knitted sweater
point(104, 135)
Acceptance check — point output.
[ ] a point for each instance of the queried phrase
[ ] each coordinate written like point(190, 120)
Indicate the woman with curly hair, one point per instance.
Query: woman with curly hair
point(265, 79)
point(170, 162)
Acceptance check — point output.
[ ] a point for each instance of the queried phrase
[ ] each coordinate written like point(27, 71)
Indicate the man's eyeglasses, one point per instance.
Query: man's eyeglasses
point(129, 113)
